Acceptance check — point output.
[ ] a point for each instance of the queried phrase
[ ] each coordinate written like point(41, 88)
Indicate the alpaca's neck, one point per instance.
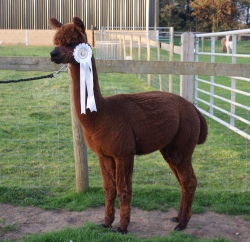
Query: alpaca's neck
point(75, 76)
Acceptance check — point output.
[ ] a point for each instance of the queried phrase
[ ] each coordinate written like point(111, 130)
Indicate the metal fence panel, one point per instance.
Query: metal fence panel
point(224, 99)
point(34, 14)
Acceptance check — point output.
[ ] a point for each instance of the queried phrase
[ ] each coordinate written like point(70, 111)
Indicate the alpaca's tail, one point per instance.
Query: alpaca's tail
point(203, 128)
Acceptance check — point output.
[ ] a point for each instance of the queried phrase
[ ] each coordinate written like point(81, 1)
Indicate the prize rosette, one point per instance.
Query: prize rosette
point(83, 55)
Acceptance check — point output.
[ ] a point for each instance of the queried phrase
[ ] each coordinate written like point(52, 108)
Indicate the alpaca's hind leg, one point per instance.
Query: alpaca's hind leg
point(124, 172)
point(183, 170)
point(108, 169)
point(176, 219)
point(188, 186)
point(167, 158)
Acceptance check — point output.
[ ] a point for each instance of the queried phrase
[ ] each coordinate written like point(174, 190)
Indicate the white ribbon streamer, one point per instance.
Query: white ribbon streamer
point(83, 54)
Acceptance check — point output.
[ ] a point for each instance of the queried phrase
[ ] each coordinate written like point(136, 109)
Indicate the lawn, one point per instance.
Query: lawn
point(93, 233)
point(243, 47)
point(37, 164)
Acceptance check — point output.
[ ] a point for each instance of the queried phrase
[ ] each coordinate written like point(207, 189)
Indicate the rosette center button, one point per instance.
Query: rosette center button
point(83, 53)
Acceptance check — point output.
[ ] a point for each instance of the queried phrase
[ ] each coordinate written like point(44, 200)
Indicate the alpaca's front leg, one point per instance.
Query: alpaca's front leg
point(108, 169)
point(124, 172)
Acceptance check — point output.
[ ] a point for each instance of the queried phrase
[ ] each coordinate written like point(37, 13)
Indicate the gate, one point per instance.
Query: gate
point(226, 98)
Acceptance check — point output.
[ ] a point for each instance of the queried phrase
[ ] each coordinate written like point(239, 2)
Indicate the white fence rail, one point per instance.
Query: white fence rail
point(224, 99)
point(139, 38)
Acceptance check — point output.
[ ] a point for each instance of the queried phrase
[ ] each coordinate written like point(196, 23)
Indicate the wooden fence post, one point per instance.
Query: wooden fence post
point(187, 54)
point(124, 47)
point(139, 52)
point(171, 58)
point(93, 35)
point(80, 148)
point(131, 47)
point(148, 59)
point(159, 58)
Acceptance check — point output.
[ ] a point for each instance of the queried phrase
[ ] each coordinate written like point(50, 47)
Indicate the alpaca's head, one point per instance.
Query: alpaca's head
point(67, 37)
point(229, 37)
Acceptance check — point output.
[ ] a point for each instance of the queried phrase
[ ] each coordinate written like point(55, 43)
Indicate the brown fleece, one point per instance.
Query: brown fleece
point(133, 124)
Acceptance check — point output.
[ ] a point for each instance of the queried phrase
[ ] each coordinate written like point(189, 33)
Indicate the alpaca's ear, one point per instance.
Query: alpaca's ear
point(79, 24)
point(54, 23)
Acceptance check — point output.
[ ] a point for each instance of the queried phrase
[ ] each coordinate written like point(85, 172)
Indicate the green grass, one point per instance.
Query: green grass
point(37, 164)
point(93, 233)
point(241, 99)
point(21, 50)
point(243, 47)
point(5, 228)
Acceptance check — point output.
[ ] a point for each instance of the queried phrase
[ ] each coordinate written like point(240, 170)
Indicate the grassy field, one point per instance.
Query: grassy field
point(93, 233)
point(37, 166)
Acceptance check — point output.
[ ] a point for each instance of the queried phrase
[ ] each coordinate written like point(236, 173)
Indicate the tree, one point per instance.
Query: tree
point(214, 15)
point(175, 14)
point(205, 15)
point(244, 12)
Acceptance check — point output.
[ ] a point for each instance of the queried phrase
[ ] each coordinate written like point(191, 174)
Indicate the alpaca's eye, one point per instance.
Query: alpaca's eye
point(71, 45)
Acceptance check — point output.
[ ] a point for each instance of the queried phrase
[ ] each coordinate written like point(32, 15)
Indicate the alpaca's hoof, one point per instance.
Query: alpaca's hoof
point(106, 226)
point(180, 227)
point(119, 230)
point(174, 219)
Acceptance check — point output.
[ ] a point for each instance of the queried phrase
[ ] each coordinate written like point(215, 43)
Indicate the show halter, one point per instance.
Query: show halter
point(82, 54)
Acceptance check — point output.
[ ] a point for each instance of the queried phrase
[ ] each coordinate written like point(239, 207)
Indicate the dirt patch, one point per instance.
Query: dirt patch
point(30, 220)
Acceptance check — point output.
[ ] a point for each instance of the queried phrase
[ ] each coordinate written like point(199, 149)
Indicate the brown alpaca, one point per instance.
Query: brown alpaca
point(133, 124)
point(223, 45)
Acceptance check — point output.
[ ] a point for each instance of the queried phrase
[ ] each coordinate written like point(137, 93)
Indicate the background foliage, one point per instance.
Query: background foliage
point(205, 15)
